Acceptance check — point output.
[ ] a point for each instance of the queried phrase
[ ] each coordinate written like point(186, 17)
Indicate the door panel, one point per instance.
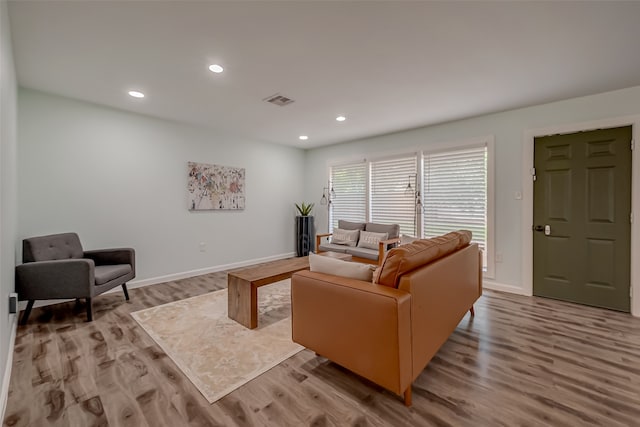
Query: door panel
point(583, 193)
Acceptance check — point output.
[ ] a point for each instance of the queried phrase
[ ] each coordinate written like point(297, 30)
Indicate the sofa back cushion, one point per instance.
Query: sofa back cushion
point(348, 225)
point(338, 267)
point(406, 258)
point(392, 230)
point(52, 247)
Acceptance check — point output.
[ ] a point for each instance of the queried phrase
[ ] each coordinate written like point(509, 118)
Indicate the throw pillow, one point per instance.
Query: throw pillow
point(371, 240)
point(345, 237)
point(338, 267)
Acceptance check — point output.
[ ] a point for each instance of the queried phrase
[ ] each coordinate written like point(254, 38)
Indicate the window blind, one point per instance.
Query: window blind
point(455, 193)
point(390, 203)
point(349, 183)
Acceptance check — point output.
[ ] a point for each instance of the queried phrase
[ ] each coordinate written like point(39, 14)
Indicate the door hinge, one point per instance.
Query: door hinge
point(630, 291)
point(533, 173)
point(631, 218)
point(633, 145)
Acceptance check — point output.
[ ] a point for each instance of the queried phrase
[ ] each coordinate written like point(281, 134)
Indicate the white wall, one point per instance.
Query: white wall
point(509, 129)
point(119, 179)
point(7, 199)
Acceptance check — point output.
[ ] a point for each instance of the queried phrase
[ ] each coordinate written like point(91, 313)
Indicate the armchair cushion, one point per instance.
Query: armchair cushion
point(105, 273)
point(392, 230)
point(51, 247)
point(333, 248)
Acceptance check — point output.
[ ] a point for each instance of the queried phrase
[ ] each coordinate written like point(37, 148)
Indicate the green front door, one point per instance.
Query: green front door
point(581, 217)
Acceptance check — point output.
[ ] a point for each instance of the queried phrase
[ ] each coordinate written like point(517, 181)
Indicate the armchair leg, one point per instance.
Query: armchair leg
point(89, 311)
point(126, 293)
point(27, 312)
point(407, 397)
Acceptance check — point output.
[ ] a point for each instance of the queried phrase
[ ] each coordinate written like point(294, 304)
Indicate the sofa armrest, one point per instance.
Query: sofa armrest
point(363, 327)
point(319, 237)
point(383, 245)
point(112, 256)
point(65, 278)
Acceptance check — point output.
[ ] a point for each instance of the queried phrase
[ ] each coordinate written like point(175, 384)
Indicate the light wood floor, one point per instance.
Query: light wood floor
point(520, 361)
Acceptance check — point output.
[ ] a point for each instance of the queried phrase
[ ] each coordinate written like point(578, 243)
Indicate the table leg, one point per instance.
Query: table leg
point(242, 302)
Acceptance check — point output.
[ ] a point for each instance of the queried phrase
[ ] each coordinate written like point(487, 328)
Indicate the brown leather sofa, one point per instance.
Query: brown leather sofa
point(388, 332)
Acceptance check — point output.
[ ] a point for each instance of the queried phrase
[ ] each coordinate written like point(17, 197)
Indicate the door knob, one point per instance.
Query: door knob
point(538, 228)
point(546, 229)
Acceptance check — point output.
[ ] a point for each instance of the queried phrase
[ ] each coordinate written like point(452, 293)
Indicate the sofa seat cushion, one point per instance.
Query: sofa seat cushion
point(338, 267)
point(406, 258)
point(106, 273)
point(363, 253)
point(333, 247)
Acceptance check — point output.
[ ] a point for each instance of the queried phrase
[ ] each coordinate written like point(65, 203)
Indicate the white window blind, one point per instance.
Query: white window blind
point(349, 183)
point(390, 203)
point(455, 193)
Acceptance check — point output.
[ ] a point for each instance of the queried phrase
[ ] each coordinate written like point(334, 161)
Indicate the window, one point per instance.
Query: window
point(390, 203)
point(349, 201)
point(450, 189)
point(455, 193)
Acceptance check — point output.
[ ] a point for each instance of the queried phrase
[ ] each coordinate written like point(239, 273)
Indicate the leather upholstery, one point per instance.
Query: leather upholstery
point(384, 334)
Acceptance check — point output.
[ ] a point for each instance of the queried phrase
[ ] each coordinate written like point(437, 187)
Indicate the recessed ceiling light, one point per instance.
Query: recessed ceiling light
point(216, 68)
point(341, 118)
point(303, 137)
point(136, 94)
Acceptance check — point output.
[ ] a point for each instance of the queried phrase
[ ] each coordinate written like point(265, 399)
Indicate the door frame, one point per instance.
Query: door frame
point(528, 141)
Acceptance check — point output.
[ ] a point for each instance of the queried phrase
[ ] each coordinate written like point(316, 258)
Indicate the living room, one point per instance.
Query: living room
point(116, 176)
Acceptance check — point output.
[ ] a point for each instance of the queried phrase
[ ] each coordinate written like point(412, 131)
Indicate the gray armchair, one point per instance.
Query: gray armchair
point(56, 266)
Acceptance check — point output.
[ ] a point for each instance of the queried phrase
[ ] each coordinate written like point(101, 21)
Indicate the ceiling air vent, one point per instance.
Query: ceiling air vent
point(279, 100)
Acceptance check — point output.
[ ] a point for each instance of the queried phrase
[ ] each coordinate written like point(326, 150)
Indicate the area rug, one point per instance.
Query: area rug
point(217, 353)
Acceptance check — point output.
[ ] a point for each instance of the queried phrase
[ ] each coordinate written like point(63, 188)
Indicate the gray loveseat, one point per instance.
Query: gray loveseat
point(56, 267)
point(371, 253)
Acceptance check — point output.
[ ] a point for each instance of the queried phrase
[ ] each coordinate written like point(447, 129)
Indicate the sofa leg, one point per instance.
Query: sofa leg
point(89, 311)
point(126, 293)
point(472, 311)
point(407, 396)
point(27, 312)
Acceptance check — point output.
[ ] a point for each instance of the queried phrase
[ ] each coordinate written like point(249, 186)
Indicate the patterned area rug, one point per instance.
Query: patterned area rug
point(216, 353)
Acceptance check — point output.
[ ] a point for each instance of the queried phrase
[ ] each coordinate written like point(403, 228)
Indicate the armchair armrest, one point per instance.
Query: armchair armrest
point(112, 256)
point(364, 327)
point(64, 278)
point(319, 237)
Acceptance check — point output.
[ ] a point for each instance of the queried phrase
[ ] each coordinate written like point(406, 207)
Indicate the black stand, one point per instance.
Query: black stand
point(304, 235)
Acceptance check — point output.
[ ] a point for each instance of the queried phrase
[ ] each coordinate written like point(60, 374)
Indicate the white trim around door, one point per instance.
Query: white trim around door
point(528, 138)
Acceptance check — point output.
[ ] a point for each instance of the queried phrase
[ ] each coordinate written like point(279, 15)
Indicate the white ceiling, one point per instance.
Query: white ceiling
point(387, 66)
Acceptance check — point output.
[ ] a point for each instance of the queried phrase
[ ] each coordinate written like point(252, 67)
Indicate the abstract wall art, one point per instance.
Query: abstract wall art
point(213, 187)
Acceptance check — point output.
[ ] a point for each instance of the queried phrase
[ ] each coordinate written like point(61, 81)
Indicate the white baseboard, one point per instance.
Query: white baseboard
point(175, 276)
point(503, 287)
point(4, 393)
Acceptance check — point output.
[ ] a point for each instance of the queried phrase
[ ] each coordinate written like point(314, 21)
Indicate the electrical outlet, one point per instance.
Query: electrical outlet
point(498, 256)
point(203, 247)
point(13, 303)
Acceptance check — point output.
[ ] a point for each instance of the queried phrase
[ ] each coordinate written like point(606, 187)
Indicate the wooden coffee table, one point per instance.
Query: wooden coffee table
point(243, 285)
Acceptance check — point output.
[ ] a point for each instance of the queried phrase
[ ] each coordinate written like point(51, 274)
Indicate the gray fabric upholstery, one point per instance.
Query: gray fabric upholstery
point(363, 253)
point(348, 225)
point(105, 273)
point(56, 266)
point(393, 230)
point(333, 247)
point(53, 246)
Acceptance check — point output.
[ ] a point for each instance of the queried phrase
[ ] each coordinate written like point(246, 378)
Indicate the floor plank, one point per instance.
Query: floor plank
point(520, 361)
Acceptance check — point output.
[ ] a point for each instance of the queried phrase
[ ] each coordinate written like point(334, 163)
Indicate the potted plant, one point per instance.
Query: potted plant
point(304, 229)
